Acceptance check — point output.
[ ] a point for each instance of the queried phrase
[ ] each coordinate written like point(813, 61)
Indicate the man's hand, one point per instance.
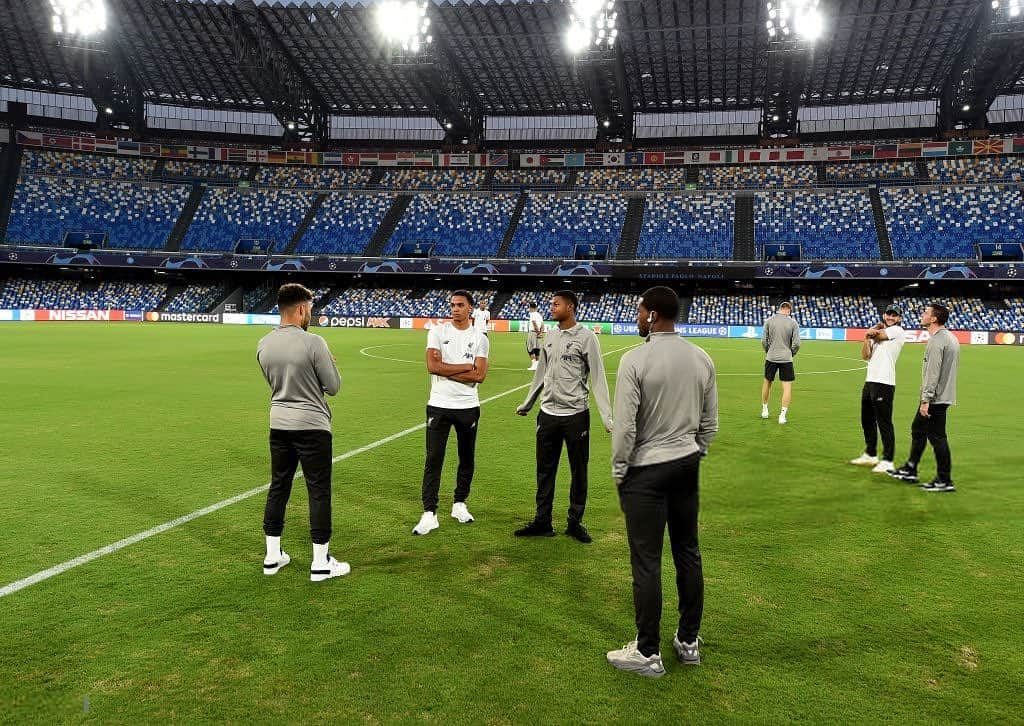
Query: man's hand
point(522, 411)
point(924, 409)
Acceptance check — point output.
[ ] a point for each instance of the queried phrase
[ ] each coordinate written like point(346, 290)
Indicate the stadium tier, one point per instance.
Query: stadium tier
point(830, 225)
point(227, 215)
point(978, 170)
point(630, 180)
point(344, 224)
point(692, 226)
point(95, 166)
point(730, 309)
point(932, 223)
point(758, 177)
point(319, 293)
point(205, 170)
point(530, 178)
point(133, 216)
point(835, 311)
point(613, 307)
point(459, 224)
point(253, 296)
point(969, 313)
point(391, 302)
point(431, 179)
point(73, 295)
point(312, 177)
point(875, 171)
point(553, 224)
point(197, 298)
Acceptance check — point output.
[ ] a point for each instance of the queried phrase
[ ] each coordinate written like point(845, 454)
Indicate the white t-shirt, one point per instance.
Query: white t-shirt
point(456, 346)
point(882, 366)
point(480, 319)
point(536, 321)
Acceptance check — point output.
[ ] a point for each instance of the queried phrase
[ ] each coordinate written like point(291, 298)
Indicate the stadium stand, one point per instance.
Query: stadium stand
point(197, 298)
point(730, 309)
point(978, 169)
point(318, 295)
point(345, 223)
point(933, 223)
point(689, 226)
point(610, 307)
point(835, 311)
point(880, 171)
point(205, 170)
point(470, 225)
point(312, 177)
point(968, 313)
point(553, 224)
point(517, 307)
point(94, 166)
point(632, 179)
point(21, 292)
point(530, 178)
point(253, 296)
point(834, 224)
point(433, 179)
point(758, 177)
point(134, 216)
point(226, 215)
point(390, 302)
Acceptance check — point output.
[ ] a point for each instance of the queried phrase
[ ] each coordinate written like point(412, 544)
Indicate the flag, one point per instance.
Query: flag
point(552, 160)
point(713, 156)
point(314, 158)
point(910, 151)
point(59, 142)
point(350, 159)
point(730, 156)
point(83, 143)
point(497, 159)
point(654, 158)
point(637, 158)
point(594, 159)
point(455, 160)
point(838, 152)
point(277, 157)
point(237, 155)
point(991, 146)
point(30, 138)
point(575, 159)
point(862, 152)
point(128, 148)
point(935, 148)
point(529, 160)
point(295, 157)
point(816, 153)
point(887, 151)
point(255, 156)
point(774, 156)
point(108, 146)
point(206, 153)
point(1018, 145)
point(674, 157)
point(174, 152)
point(333, 158)
point(149, 149)
point(614, 159)
point(960, 148)
point(752, 155)
point(795, 155)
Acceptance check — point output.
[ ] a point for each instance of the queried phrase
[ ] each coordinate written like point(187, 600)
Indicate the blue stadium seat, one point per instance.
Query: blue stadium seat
point(226, 215)
point(978, 169)
point(95, 166)
point(345, 223)
point(552, 224)
point(690, 226)
point(831, 225)
point(758, 176)
point(461, 225)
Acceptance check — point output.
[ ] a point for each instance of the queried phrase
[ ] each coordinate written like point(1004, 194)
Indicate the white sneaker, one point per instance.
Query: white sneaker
point(687, 653)
point(428, 523)
point(333, 568)
point(460, 513)
point(764, 413)
point(628, 658)
point(782, 418)
point(865, 460)
point(884, 467)
point(272, 568)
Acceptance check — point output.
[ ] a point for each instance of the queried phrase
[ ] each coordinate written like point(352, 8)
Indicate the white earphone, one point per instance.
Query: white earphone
point(650, 318)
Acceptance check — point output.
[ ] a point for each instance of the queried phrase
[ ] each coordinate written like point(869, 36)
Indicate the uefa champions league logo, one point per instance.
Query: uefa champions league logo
point(769, 271)
point(12, 256)
point(334, 265)
point(234, 263)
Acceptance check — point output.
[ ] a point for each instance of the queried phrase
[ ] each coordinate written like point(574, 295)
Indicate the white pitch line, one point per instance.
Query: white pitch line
point(110, 549)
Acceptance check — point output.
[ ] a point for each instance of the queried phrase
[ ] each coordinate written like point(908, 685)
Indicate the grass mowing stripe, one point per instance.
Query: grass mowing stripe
point(63, 567)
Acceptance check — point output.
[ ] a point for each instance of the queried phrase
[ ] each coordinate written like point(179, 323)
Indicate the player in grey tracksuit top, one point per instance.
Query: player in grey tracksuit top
point(666, 416)
point(781, 341)
point(570, 354)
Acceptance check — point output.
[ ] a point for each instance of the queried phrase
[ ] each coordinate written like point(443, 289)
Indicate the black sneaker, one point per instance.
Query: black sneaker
point(536, 529)
point(579, 533)
point(937, 485)
point(905, 473)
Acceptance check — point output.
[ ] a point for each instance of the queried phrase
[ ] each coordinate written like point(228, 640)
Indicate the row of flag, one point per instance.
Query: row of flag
point(867, 152)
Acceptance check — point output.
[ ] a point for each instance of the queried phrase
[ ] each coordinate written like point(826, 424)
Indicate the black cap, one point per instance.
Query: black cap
point(892, 309)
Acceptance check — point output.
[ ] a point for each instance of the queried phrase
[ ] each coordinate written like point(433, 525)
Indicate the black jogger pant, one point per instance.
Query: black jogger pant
point(932, 430)
point(652, 496)
point(552, 432)
point(876, 418)
point(311, 448)
point(439, 425)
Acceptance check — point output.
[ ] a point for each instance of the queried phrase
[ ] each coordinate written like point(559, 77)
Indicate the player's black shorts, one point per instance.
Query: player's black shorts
point(785, 370)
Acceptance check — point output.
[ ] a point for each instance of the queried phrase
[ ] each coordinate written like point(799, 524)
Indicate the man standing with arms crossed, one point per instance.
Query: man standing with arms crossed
point(300, 370)
point(881, 349)
point(781, 341)
point(666, 415)
point(457, 362)
point(938, 392)
point(570, 355)
point(534, 333)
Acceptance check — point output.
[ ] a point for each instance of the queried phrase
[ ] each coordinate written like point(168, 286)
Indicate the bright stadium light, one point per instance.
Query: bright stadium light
point(404, 24)
point(592, 23)
point(795, 18)
point(79, 17)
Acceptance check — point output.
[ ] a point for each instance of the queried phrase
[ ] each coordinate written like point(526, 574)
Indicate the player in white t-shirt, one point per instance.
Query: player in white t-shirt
point(882, 346)
point(457, 355)
point(534, 334)
point(482, 318)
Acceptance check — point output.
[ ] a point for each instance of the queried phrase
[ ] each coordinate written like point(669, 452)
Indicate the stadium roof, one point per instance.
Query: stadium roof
point(676, 55)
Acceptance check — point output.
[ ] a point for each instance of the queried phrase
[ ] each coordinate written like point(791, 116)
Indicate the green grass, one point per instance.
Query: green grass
point(833, 595)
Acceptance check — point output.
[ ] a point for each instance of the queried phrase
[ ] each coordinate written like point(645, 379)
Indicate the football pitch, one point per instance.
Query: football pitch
point(832, 594)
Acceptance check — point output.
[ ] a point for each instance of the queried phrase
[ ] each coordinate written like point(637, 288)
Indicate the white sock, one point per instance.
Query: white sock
point(320, 553)
point(784, 409)
point(273, 549)
point(764, 407)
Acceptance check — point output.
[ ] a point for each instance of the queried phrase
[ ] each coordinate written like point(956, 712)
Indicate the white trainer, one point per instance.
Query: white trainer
point(865, 460)
point(782, 418)
point(428, 523)
point(629, 658)
point(884, 467)
point(461, 513)
point(333, 568)
point(272, 568)
point(765, 413)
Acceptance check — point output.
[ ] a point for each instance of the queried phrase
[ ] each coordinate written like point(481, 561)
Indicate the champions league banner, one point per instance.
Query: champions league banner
point(635, 270)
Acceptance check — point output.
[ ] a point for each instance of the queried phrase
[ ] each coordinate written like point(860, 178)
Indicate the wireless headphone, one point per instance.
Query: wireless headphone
point(650, 318)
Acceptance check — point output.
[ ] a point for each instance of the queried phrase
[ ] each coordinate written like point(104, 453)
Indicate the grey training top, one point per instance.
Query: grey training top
point(939, 369)
point(666, 403)
point(299, 368)
point(567, 358)
point(781, 339)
